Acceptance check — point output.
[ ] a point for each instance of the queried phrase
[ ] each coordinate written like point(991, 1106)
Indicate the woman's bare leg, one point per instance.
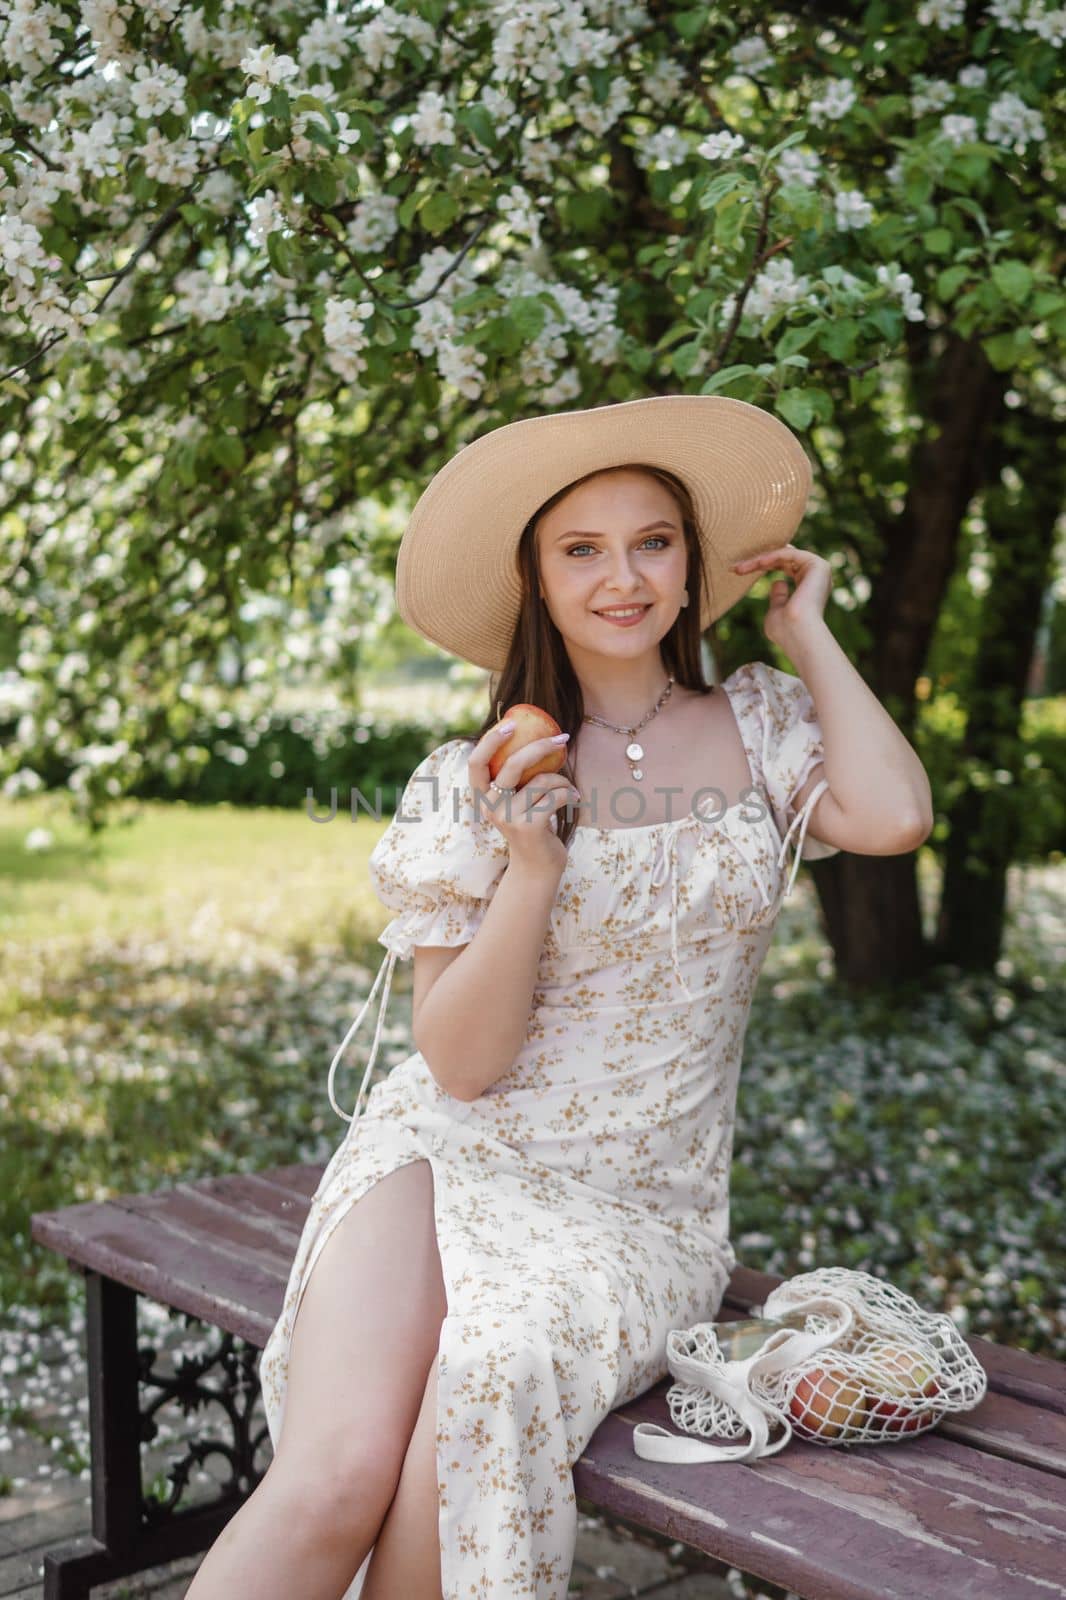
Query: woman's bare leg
point(365, 1338)
point(406, 1559)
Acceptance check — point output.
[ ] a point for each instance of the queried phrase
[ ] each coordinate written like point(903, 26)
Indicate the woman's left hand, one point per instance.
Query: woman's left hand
point(791, 610)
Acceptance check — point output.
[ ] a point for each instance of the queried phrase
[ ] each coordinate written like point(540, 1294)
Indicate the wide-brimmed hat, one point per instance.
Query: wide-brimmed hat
point(457, 579)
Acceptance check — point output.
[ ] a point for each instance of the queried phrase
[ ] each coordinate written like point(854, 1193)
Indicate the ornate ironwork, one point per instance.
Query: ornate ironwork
point(232, 1392)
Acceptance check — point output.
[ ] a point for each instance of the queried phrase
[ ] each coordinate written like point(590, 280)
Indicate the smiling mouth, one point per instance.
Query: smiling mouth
point(624, 611)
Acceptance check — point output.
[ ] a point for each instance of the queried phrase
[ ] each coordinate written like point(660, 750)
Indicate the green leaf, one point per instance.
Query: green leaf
point(481, 123)
point(729, 223)
point(528, 314)
point(795, 338)
point(279, 254)
point(320, 184)
point(405, 211)
point(838, 338)
point(718, 188)
point(687, 358)
point(439, 212)
point(950, 280)
point(1013, 279)
point(228, 451)
point(795, 406)
point(690, 24)
point(725, 376)
point(584, 210)
point(938, 241)
point(1005, 350)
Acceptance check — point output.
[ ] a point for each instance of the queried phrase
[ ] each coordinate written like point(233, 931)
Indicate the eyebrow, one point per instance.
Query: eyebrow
point(581, 533)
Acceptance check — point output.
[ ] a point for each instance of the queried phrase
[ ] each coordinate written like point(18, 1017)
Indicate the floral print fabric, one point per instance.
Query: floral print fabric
point(582, 1201)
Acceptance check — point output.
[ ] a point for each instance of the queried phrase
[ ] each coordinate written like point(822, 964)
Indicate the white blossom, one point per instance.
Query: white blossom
point(852, 209)
point(666, 147)
point(902, 284)
point(717, 146)
point(265, 217)
point(776, 285)
point(930, 94)
point(519, 211)
point(28, 41)
point(1047, 25)
point(941, 14)
point(168, 161)
point(1006, 12)
point(751, 55)
point(325, 43)
point(835, 101)
point(798, 166)
point(593, 117)
point(373, 222)
point(958, 130)
point(38, 839)
point(973, 76)
point(662, 81)
point(267, 70)
point(156, 90)
point(1012, 124)
point(345, 335)
point(432, 123)
point(21, 250)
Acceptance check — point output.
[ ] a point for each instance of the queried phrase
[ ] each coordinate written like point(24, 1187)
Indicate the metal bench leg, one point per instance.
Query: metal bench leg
point(124, 1539)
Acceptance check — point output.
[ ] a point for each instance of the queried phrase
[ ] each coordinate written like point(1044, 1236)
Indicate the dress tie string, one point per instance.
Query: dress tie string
point(667, 859)
point(386, 968)
point(803, 816)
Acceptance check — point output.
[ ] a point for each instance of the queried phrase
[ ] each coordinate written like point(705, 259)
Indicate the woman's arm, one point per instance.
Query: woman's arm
point(878, 801)
point(472, 1023)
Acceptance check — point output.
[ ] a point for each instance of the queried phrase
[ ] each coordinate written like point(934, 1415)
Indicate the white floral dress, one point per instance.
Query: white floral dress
point(582, 1201)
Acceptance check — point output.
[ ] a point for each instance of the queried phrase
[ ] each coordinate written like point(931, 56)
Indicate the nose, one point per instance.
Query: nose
point(623, 579)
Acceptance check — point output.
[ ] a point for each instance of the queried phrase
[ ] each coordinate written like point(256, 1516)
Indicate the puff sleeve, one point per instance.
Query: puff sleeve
point(438, 863)
point(790, 747)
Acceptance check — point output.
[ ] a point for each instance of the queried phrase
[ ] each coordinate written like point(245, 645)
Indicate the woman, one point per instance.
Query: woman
point(539, 1193)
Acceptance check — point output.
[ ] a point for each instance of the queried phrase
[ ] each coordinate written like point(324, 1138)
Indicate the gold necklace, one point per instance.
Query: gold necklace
point(635, 751)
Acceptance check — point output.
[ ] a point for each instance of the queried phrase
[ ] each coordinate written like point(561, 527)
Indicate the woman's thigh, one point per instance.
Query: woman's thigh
point(366, 1334)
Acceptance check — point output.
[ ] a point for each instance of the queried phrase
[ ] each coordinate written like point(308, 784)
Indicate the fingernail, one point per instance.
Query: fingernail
point(559, 738)
point(505, 727)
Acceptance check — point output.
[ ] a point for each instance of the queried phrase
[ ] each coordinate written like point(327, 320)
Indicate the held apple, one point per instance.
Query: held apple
point(901, 1380)
point(824, 1402)
point(530, 723)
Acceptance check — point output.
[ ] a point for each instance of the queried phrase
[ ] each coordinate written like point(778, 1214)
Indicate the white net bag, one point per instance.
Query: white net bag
point(836, 1356)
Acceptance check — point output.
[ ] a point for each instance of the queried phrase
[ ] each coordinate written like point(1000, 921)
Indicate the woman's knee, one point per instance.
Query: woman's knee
point(341, 1493)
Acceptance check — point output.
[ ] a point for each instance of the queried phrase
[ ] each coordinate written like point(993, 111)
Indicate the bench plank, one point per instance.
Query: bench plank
point(829, 1527)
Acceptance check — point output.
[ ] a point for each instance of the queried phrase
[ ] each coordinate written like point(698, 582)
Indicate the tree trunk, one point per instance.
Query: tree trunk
point(985, 820)
point(871, 903)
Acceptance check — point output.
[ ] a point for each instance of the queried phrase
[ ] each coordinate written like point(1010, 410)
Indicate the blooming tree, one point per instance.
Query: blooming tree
point(265, 266)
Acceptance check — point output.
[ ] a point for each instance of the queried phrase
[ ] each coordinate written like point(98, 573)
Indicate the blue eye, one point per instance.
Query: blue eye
point(649, 540)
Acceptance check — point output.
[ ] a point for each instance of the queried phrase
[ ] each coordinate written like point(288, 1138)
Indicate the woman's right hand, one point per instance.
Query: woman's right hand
point(527, 818)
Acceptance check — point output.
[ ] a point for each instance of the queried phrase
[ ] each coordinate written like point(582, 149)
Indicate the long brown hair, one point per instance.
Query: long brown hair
point(538, 670)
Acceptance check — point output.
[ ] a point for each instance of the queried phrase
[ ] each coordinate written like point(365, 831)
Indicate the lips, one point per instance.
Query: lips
point(617, 616)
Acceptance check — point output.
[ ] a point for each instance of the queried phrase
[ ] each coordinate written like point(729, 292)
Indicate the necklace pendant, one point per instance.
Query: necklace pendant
point(634, 751)
point(637, 773)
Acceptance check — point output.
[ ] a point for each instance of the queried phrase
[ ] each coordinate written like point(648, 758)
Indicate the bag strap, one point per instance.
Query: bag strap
point(386, 968)
point(730, 1383)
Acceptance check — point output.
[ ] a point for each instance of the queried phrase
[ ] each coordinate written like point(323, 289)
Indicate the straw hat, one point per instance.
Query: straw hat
point(457, 581)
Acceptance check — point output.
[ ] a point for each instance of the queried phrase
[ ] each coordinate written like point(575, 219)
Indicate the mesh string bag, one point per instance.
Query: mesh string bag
point(839, 1357)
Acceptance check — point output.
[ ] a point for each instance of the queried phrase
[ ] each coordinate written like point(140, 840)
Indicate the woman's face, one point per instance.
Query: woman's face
point(614, 541)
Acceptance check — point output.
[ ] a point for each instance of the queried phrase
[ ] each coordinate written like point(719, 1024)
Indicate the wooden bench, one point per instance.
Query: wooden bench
point(973, 1510)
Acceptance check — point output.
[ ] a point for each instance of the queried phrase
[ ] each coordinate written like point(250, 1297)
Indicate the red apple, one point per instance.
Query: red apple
point(824, 1402)
point(902, 1380)
point(530, 723)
